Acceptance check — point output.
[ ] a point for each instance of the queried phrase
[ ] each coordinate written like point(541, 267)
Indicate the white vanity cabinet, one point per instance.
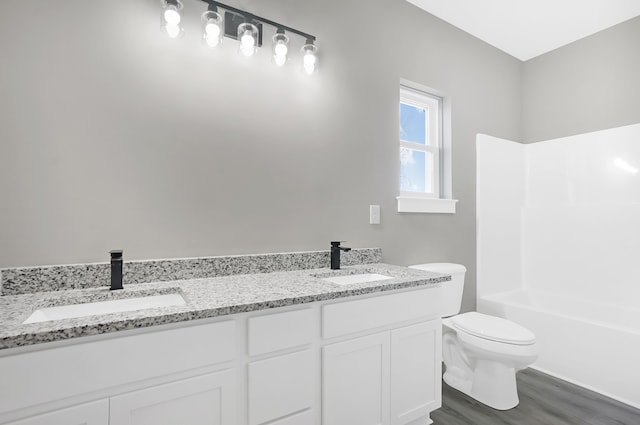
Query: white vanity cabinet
point(365, 360)
point(93, 413)
point(385, 378)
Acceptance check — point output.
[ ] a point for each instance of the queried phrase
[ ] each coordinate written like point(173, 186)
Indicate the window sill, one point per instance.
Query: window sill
point(407, 204)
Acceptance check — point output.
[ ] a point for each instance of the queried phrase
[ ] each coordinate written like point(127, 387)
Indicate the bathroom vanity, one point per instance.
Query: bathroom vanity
point(280, 348)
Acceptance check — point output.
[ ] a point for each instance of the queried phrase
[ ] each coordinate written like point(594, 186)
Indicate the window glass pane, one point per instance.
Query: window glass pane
point(412, 170)
point(429, 167)
point(413, 124)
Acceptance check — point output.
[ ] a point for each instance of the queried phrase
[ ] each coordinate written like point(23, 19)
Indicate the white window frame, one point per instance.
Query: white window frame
point(432, 106)
point(438, 105)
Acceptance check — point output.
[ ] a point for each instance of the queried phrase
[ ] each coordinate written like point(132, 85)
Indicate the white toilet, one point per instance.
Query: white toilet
point(481, 353)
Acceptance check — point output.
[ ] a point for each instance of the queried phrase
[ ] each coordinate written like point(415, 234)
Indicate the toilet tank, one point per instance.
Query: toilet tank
point(451, 290)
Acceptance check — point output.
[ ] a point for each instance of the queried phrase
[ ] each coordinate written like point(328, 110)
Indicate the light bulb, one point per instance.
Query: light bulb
point(212, 29)
point(280, 60)
point(212, 23)
point(170, 20)
point(212, 34)
point(212, 41)
point(247, 44)
point(309, 63)
point(309, 58)
point(247, 40)
point(173, 31)
point(172, 16)
point(281, 49)
point(247, 36)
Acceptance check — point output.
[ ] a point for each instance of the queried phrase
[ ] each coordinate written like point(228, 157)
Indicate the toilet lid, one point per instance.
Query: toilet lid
point(493, 328)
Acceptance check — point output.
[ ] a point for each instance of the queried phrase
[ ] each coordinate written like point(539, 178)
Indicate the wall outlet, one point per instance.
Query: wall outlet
point(374, 214)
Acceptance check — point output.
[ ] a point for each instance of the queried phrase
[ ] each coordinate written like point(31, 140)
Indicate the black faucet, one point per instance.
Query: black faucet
point(335, 254)
point(116, 269)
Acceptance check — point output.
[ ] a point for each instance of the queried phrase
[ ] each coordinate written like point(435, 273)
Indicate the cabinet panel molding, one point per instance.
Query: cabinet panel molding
point(204, 400)
point(304, 418)
point(92, 413)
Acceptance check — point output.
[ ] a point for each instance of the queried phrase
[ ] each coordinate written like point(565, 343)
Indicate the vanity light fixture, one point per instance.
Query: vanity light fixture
point(243, 26)
point(248, 38)
point(171, 18)
point(212, 27)
point(280, 47)
point(309, 57)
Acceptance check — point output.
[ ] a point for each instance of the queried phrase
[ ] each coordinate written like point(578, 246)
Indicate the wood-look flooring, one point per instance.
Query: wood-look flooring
point(544, 400)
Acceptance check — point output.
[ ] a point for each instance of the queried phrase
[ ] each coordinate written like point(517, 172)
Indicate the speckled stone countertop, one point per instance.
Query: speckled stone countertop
point(205, 298)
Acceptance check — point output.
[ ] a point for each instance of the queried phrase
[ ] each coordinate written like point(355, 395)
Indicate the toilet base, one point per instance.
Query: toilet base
point(493, 384)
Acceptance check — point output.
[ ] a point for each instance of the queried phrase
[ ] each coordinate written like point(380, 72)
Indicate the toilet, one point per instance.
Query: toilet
point(481, 353)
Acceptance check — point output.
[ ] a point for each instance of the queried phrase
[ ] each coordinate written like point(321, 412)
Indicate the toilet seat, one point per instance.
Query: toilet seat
point(492, 328)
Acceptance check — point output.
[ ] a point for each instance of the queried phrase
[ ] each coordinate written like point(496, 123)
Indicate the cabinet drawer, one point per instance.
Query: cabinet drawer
point(281, 386)
point(279, 331)
point(378, 311)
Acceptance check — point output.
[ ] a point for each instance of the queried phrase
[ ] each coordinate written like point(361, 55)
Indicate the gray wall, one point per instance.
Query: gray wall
point(591, 84)
point(114, 136)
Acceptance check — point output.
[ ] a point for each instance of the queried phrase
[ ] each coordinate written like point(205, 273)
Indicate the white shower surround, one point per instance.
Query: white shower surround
point(558, 251)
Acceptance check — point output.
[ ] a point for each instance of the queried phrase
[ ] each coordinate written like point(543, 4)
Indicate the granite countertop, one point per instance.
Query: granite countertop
point(205, 298)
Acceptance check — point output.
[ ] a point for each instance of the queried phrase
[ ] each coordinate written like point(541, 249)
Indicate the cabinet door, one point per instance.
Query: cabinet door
point(416, 384)
point(281, 386)
point(203, 400)
point(355, 387)
point(94, 413)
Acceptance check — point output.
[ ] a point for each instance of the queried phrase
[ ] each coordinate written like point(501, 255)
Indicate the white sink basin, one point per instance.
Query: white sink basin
point(104, 307)
point(350, 279)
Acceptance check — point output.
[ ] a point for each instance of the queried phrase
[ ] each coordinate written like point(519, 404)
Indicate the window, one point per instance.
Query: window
point(419, 144)
point(424, 175)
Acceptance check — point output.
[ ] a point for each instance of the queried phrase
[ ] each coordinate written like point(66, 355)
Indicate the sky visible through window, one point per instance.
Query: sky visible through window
point(412, 170)
point(412, 163)
point(412, 124)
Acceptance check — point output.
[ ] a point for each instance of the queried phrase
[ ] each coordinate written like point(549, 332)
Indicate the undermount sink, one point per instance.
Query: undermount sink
point(350, 279)
point(71, 311)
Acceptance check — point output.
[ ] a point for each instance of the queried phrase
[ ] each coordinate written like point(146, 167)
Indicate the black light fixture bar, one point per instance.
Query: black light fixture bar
point(259, 19)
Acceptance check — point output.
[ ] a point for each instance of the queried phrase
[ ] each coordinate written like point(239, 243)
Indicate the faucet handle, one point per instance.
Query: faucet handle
point(336, 244)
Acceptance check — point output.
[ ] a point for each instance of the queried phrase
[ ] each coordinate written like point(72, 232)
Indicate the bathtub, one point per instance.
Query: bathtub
point(591, 344)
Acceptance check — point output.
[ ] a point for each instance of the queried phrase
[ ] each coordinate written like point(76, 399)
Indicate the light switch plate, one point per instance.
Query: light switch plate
point(374, 214)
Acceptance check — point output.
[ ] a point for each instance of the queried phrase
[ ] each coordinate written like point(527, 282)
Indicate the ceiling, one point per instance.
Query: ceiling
point(528, 28)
